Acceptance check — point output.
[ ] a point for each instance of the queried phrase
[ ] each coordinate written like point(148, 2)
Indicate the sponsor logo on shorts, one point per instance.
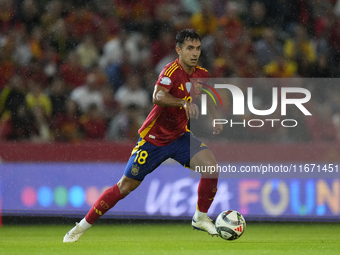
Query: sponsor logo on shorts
point(135, 170)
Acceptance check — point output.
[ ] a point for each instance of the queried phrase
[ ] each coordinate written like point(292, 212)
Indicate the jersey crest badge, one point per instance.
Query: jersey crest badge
point(188, 86)
point(197, 86)
point(165, 81)
point(104, 205)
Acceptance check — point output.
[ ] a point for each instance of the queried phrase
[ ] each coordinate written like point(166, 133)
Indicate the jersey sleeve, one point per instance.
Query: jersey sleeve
point(167, 77)
point(164, 81)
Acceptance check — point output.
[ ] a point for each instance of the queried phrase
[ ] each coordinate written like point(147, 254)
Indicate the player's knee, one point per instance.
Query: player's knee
point(211, 168)
point(125, 189)
point(126, 186)
point(203, 158)
point(125, 192)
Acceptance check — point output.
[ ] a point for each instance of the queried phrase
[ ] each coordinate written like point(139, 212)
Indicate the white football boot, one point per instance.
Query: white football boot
point(74, 234)
point(206, 224)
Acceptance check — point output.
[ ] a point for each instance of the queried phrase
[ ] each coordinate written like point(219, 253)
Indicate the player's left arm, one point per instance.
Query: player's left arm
point(217, 129)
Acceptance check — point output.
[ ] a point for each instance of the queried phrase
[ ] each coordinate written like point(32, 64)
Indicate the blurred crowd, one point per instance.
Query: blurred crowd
point(85, 70)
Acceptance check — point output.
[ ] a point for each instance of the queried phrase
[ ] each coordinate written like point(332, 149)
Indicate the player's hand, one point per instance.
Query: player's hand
point(191, 110)
point(217, 129)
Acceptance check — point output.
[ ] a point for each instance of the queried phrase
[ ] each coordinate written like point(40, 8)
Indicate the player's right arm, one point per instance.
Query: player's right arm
point(162, 97)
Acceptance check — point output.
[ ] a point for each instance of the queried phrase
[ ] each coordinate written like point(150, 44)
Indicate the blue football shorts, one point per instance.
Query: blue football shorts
point(146, 157)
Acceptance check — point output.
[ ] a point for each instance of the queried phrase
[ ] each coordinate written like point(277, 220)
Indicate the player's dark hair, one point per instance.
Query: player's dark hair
point(186, 34)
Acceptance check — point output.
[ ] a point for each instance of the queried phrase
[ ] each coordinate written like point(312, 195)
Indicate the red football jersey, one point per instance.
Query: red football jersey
point(165, 124)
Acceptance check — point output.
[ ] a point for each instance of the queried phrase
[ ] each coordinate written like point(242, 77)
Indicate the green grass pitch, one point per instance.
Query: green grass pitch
point(175, 238)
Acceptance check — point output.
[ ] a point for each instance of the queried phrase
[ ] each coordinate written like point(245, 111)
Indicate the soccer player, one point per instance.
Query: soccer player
point(164, 135)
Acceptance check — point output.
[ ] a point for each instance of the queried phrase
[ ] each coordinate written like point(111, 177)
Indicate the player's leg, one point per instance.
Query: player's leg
point(145, 157)
point(207, 189)
point(104, 203)
point(208, 183)
point(110, 197)
point(192, 152)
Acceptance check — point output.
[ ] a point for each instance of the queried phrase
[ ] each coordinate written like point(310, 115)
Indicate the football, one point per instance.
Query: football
point(230, 225)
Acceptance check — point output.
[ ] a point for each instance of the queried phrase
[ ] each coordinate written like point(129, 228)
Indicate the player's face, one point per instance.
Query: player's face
point(189, 52)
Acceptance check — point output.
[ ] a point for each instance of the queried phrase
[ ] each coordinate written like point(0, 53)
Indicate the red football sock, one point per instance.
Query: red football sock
point(206, 192)
point(105, 202)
